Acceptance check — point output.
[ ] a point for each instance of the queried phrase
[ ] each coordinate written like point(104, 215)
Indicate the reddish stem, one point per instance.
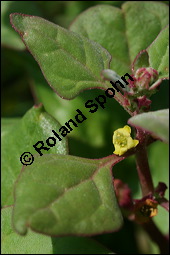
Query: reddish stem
point(148, 188)
point(144, 171)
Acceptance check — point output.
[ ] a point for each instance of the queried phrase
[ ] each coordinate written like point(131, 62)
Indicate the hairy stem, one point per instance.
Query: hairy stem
point(157, 237)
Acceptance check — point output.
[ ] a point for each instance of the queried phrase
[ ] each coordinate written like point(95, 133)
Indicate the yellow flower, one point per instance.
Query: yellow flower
point(123, 141)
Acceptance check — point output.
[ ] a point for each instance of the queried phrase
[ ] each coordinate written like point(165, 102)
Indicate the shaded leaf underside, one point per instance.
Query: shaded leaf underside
point(157, 123)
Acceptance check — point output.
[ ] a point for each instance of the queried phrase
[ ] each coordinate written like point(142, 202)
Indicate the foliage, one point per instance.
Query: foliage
point(76, 194)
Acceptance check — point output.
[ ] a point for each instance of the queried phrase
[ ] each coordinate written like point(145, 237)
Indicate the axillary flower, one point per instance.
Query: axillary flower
point(145, 209)
point(123, 141)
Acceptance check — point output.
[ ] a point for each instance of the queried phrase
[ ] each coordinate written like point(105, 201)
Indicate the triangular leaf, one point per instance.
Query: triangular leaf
point(69, 62)
point(65, 195)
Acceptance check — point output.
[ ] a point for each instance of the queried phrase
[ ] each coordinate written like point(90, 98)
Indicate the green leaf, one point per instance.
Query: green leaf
point(141, 60)
point(34, 243)
point(8, 36)
point(65, 195)
point(156, 122)
point(159, 53)
point(124, 33)
point(8, 122)
point(18, 137)
point(109, 31)
point(144, 20)
point(69, 62)
point(156, 55)
point(13, 243)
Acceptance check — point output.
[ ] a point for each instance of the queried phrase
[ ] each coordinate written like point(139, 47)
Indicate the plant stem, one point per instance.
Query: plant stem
point(148, 188)
point(157, 237)
point(144, 171)
point(143, 165)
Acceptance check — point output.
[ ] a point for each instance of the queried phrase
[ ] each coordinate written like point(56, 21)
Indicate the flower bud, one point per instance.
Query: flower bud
point(145, 77)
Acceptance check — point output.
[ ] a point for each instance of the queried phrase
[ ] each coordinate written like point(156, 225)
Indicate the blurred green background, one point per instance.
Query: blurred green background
point(23, 85)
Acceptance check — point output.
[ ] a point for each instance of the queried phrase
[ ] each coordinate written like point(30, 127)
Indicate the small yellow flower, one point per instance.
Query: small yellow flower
point(123, 141)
